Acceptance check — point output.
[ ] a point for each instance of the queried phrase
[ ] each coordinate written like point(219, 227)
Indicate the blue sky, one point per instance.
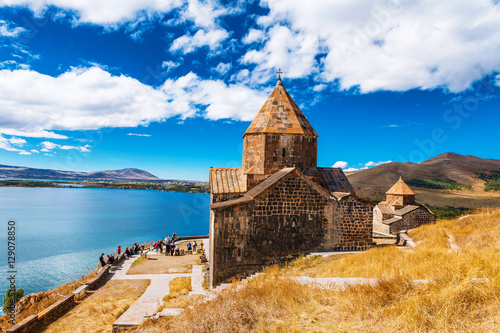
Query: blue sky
point(171, 86)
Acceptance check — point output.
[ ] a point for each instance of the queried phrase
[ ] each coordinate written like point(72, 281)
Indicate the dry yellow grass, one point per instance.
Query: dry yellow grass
point(98, 312)
point(178, 294)
point(181, 285)
point(181, 301)
point(450, 302)
point(307, 266)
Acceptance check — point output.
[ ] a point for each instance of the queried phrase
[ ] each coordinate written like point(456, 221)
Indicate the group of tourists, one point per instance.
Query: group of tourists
point(110, 259)
point(192, 247)
point(129, 251)
point(167, 246)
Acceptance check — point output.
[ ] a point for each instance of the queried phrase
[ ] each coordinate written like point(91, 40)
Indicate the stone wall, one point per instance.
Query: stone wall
point(400, 200)
point(283, 223)
point(378, 218)
point(412, 220)
point(253, 154)
point(224, 197)
point(268, 153)
point(351, 225)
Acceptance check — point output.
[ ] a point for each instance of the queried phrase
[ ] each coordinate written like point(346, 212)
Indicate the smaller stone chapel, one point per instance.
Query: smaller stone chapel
point(280, 204)
point(399, 211)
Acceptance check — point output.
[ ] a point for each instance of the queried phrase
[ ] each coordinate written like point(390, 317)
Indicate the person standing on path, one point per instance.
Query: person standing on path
point(119, 250)
point(101, 259)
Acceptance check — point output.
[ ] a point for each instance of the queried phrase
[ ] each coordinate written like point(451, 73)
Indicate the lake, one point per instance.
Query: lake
point(60, 232)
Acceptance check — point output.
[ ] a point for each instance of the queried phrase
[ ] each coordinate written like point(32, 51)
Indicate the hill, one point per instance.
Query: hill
point(129, 174)
point(463, 169)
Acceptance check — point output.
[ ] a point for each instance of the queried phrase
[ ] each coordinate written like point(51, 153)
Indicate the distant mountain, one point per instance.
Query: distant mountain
point(374, 182)
point(129, 174)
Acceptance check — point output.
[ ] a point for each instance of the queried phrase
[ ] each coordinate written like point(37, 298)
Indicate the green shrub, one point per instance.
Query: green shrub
point(447, 184)
point(9, 296)
point(449, 212)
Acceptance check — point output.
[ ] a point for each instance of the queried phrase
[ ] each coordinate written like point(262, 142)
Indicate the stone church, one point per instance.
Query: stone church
point(279, 204)
point(399, 211)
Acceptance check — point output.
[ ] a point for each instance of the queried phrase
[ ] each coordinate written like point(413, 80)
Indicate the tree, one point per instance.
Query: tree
point(9, 296)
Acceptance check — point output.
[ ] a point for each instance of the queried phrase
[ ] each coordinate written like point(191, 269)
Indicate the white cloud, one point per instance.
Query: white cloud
point(82, 98)
point(188, 43)
point(49, 146)
point(204, 13)
point(12, 64)
point(383, 45)
point(340, 164)
point(35, 151)
point(254, 36)
point(242, 76)
point(136, 15)
point(285, 49)
point(31, 133)
point(7, 29)
point(371, 164)
point(169, 65)
point(17, 141)
point(24, 153)
point(408, 123)
point(345, 166)
point(35, 105)
point(497, 80)
point(81, 148)
point(234, 101)
point(109, 13)
point(319, 87)
point(6, 144)
point(222, 68)
point(137, 134)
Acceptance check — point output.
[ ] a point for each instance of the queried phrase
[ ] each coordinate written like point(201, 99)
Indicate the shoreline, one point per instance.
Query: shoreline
point(176, 187)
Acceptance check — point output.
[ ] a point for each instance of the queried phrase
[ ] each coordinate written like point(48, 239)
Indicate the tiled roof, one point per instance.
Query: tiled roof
point(392, 220)
point(406, 210)
point(385, 208)
point(227, 180)
point(400, 188)
point(334, 180)
point(280, 115)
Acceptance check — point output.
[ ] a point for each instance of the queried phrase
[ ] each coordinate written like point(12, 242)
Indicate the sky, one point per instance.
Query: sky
point(171, 86)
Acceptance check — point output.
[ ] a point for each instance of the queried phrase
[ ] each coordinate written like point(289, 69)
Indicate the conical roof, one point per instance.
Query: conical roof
point(280, 115)
point(400, 188)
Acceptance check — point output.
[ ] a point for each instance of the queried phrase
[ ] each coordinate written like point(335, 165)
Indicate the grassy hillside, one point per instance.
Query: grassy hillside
point(447, 179)
point(450, 302)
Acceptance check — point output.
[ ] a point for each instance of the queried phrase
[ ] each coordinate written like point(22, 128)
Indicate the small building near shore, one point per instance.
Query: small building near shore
point(400, 211)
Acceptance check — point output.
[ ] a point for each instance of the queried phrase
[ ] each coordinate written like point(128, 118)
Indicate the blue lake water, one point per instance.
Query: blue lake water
point(60, 232)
